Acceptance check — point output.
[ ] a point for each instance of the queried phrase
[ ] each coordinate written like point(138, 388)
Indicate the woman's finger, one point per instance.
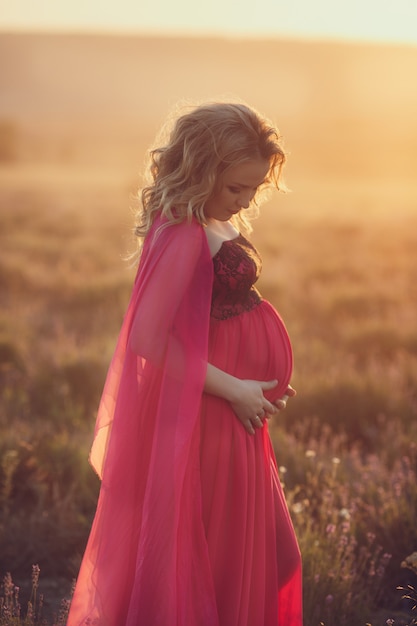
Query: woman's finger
point(281, 403)
point(268, 407)
point(250, 428)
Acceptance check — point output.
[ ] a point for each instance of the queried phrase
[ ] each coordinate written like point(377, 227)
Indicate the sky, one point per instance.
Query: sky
point(364, 20)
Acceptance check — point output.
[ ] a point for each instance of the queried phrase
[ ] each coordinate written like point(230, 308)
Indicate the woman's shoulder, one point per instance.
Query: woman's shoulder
point(186, 238)
point(165, 229)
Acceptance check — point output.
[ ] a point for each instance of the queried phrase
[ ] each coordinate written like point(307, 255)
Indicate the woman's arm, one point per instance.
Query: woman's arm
point(245, 396)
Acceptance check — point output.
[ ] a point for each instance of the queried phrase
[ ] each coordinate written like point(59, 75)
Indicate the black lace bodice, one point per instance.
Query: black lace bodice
point(237, 266)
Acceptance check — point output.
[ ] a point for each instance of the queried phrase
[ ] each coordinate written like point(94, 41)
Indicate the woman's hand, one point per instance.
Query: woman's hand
point(250, 405)
point(281, 403)
point(246, 397)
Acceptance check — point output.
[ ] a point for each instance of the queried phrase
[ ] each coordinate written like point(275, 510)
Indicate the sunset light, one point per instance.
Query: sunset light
point(356, 20)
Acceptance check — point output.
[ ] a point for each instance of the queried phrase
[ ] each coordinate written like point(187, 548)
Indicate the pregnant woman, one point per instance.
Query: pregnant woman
point(192, 528)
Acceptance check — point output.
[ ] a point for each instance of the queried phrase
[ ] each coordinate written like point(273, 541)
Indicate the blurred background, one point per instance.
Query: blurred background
point(84, 88)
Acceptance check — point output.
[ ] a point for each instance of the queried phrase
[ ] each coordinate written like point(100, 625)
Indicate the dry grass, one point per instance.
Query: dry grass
point(345, 282)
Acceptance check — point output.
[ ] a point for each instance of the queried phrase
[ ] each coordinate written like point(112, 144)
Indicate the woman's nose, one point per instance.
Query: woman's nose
point(244, 201)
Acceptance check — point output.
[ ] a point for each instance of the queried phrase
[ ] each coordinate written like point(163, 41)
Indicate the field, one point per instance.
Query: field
point(346, 445)
point(340, 264)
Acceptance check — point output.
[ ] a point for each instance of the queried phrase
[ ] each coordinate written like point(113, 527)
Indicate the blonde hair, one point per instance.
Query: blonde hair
point(204, 143)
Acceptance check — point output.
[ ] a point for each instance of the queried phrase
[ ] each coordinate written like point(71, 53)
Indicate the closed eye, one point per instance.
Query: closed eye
point(238, 189)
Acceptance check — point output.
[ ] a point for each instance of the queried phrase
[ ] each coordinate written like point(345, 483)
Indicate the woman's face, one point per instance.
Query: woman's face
point(236, 189)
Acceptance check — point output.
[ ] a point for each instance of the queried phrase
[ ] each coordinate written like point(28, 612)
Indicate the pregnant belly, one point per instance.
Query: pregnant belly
point(253, 345)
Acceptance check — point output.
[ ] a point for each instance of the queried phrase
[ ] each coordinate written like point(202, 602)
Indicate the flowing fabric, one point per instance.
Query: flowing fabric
point(191, 528)
point(146, 560)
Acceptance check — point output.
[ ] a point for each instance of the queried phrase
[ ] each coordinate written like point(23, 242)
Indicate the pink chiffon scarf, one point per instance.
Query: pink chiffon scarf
point(146, 561)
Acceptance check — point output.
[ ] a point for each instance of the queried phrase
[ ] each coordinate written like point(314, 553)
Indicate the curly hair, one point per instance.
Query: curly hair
point(204, 143)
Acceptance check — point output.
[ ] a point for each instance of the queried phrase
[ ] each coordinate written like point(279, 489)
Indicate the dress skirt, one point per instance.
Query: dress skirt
point(253, 550)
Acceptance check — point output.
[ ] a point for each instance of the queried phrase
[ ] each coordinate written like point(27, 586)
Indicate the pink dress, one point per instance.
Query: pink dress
point(191, 527)
point(254, 555)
